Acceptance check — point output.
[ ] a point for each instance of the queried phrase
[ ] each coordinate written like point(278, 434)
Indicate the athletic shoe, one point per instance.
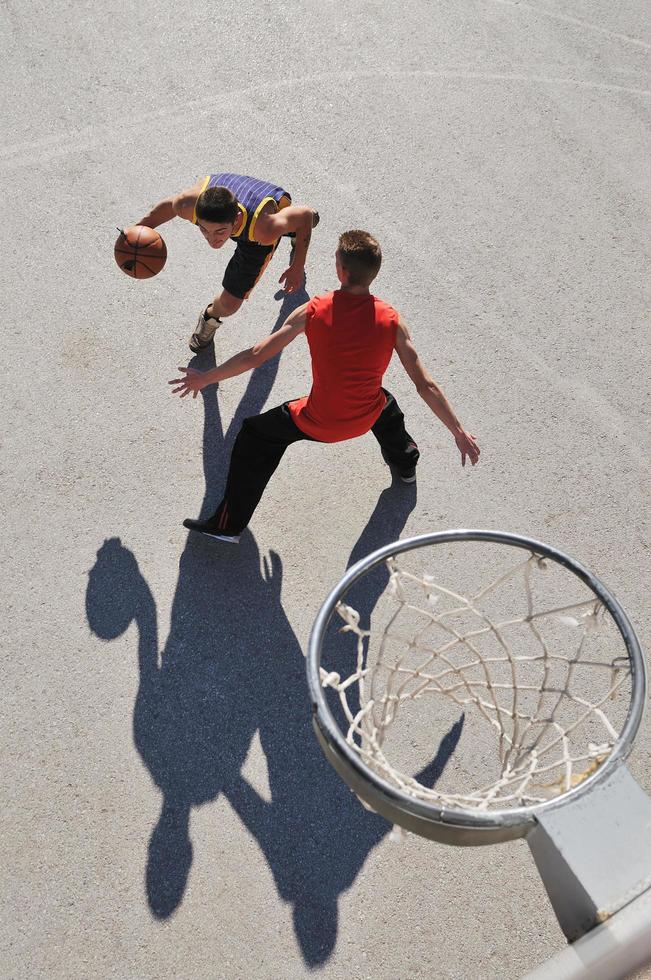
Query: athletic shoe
point(203, 335)
point(207, 528)
point(407, 476)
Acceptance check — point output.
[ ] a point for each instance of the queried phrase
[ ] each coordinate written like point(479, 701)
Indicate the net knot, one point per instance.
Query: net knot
point(332, 679)
point(350, 617)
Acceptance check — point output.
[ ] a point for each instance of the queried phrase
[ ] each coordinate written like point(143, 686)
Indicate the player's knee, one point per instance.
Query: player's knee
point(249, 428)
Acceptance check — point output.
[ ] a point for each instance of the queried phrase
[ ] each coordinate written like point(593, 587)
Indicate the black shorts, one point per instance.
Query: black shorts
point(246, 266)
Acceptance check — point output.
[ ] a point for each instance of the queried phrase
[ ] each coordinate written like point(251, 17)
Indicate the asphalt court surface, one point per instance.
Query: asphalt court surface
point(167, 811)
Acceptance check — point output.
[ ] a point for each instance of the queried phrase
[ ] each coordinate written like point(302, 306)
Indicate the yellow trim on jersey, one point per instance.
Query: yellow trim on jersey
point(194, 210)
point(244, 214)
point(265, 200)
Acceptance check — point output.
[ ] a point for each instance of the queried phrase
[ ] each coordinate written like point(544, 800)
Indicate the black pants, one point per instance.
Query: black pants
point(260, 446)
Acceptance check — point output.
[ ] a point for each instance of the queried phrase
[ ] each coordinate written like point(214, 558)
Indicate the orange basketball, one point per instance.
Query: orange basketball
point(140, 252)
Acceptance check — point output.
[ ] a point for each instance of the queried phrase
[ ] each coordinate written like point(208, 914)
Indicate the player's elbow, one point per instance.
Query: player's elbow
point(257, 355)
point(253, 356)
point(303, 218)
point(427, 388)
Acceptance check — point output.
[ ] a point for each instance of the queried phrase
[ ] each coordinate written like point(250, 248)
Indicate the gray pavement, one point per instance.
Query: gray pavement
point(166, 809)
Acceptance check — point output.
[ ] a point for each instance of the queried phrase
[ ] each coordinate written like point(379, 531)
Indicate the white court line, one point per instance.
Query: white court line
point(49, 147)
point(592, 402)
point(575, 21)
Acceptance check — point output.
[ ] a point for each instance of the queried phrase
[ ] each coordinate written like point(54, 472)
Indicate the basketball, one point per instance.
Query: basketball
point(140, 252)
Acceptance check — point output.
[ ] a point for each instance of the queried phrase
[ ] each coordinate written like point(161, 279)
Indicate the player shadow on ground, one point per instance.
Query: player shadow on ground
point(230, 667)
point(217, 444)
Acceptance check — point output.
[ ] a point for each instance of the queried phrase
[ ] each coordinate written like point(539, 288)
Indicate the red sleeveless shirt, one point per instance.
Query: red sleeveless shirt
point(351, 338)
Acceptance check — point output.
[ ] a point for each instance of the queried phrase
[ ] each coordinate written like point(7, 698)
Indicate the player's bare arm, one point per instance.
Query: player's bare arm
point(246, 360)
point(176, 206)
point(272, 225)
point(433, 395)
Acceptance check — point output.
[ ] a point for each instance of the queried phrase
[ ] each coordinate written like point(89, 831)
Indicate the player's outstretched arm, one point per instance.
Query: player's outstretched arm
point(299, 219)
point(433, 396)
point(246, 360)
point(176, 206)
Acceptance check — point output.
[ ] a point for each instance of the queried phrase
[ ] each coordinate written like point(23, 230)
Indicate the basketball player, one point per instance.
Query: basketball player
point(255, 215)
point(351, 335)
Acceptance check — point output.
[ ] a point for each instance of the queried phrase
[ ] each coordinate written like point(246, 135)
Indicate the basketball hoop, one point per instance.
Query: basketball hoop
point(496, 634)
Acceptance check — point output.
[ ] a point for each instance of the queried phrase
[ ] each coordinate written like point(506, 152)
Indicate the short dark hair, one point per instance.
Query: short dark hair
point(217, 204)
point(360, 255)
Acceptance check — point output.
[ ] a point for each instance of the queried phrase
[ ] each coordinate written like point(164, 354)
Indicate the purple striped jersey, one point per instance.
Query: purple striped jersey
point(252, 195)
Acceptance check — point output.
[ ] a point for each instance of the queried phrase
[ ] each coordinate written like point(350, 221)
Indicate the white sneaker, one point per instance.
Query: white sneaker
point(203, 335)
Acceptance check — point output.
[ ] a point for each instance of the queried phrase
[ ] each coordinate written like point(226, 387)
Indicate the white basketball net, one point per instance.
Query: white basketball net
point(538, 680)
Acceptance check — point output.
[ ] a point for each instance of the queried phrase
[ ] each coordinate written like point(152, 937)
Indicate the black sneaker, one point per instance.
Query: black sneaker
point(208, 529)
point(407, 476)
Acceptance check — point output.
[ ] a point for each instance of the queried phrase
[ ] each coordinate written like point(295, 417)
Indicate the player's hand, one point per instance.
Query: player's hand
point(467, 446)
point(293, 278)
point(192, 383)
